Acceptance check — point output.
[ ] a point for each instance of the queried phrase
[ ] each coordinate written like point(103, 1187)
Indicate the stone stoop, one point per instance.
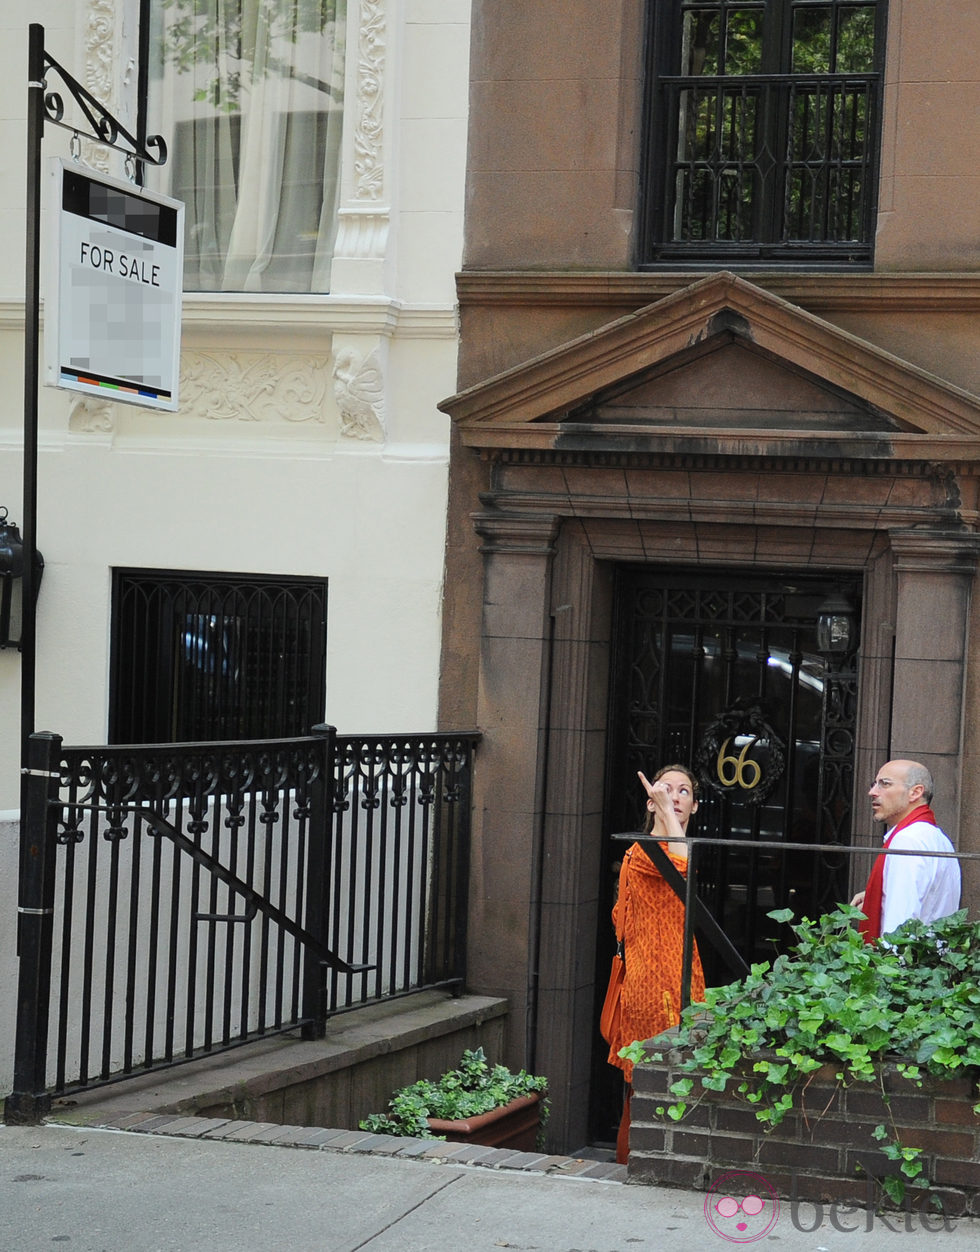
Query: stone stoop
point(287, 1092)
point(367, 1054)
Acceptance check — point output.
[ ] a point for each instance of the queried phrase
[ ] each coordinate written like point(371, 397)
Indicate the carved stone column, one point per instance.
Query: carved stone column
point(361, 257)
point(360, 260)
point(934, 574)
point(509, 781)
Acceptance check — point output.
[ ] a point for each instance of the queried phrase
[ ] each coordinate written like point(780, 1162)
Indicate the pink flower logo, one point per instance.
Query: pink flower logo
point(741, 1207)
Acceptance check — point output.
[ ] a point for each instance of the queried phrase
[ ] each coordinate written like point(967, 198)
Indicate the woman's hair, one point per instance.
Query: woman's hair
point(670, 769)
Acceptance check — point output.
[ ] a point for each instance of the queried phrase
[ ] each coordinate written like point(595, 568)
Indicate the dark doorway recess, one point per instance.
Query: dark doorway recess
point(722, 671)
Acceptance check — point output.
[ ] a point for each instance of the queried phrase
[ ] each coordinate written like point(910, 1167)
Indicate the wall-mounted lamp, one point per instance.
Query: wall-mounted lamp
point(835, 625)
point(11, 584)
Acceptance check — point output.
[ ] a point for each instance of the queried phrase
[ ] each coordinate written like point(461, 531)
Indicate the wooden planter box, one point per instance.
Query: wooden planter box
point(824, 1150)
point(513, 1125)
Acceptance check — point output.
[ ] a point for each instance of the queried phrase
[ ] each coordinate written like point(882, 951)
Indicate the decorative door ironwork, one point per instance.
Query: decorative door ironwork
point(724, 673)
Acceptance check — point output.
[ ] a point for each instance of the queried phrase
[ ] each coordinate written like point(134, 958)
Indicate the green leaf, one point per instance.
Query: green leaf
point(831, 998)
point(911, 1167)
point(473, 1088)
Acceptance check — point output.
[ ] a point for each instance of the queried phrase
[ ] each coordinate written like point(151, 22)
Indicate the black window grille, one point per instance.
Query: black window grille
point(762, 137)
point(201, 657)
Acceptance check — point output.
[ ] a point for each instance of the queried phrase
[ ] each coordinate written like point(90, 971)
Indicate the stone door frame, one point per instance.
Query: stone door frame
point(544, 676)
point(628, 445)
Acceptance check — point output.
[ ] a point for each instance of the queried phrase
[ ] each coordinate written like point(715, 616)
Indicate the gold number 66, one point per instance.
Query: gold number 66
point(736, 770)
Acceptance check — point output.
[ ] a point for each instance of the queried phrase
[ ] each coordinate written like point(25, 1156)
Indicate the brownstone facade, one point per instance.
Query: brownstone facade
point(806, 420)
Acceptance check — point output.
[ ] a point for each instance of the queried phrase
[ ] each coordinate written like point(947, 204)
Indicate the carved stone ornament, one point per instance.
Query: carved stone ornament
point(359, 392)
point(362, 233)
point(99, 71)
point(252, 387)
point(740, 755)
point(91, 416)
point(369, 130)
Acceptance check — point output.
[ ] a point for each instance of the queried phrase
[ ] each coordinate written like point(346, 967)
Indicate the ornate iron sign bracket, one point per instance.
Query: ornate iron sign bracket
point(105, 128)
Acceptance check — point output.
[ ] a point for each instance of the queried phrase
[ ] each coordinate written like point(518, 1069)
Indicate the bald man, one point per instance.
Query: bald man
point(901, 887)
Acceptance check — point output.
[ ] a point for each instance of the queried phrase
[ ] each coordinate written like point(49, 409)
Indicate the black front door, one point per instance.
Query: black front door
point(724, 672)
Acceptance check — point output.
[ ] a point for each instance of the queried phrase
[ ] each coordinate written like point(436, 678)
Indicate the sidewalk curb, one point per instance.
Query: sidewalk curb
point(433, 1151)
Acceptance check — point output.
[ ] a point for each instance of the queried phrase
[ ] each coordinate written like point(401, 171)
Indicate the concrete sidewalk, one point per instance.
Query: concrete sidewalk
point(181, 1185)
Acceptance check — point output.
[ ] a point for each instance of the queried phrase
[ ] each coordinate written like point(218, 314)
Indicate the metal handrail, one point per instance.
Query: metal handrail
point(690, 899)
point(255, 902)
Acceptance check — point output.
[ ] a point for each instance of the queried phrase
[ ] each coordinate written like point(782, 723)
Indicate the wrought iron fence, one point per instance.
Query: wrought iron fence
point(183, 899)
point(398, 864)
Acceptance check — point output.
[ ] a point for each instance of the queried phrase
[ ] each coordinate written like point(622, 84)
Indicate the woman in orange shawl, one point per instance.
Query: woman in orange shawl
point(649, 921)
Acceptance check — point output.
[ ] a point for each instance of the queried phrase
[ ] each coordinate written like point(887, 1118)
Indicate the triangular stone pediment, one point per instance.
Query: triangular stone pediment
point(719, 357)
point(726, 382)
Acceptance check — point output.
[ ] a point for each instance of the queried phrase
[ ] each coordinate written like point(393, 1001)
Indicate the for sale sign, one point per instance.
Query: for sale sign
point(112, 325)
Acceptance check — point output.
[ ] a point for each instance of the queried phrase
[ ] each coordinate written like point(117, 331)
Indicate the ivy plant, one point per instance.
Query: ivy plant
point(476, 1086)
point(912, 999)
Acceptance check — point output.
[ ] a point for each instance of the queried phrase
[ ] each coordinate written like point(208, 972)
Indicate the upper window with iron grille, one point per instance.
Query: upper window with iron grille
point(763, 124)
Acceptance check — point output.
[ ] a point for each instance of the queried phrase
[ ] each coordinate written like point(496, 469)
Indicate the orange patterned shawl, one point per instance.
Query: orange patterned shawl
point(649, 919)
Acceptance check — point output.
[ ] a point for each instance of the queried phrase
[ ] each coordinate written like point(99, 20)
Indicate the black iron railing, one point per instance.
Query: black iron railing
point(399, 863)
point(184, 899)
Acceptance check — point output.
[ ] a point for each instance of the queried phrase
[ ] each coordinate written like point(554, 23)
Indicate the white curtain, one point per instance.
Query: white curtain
point(249, 96)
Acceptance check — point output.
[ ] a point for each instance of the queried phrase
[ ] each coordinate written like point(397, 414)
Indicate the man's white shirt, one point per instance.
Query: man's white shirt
point(927, 887)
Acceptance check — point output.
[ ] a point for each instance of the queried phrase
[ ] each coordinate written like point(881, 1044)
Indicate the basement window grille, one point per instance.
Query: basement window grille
point(203, 657)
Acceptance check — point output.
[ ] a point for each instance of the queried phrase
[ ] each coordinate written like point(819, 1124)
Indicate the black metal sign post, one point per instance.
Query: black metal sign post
point(35, 908)
point(45, 103)
point(29, 1101)
point(32, 300)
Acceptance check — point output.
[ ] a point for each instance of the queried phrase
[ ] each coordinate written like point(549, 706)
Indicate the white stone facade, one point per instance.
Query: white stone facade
point(307, 441)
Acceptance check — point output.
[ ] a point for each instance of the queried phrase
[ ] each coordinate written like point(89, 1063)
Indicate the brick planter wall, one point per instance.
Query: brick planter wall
point(823, 1151)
